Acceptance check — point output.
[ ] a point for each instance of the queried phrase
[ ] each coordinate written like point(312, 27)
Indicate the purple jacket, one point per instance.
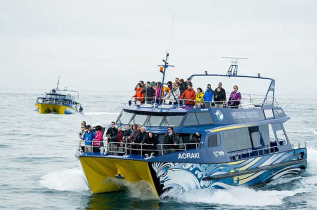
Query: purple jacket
point(235, 97)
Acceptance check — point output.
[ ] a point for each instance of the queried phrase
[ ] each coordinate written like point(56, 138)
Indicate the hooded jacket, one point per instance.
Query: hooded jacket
point(88, 137)
point(199, 97)
point(209, 95)
point(190, 96)
point(139, 94)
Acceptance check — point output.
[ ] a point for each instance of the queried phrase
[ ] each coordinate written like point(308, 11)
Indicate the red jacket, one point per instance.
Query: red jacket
point(190, 96)
point(139, 95)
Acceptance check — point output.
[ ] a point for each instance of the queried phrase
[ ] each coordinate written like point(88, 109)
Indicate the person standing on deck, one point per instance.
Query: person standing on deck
point(189, 95)
point(170, 140)
point(208, 96)
point(88, 137)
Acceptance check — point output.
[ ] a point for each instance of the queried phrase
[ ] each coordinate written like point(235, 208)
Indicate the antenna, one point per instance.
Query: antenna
point(233, 69)
point(171, 35)
point(57, 83)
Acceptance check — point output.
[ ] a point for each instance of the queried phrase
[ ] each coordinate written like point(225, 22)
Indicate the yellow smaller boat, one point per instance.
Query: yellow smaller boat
point(58, 102)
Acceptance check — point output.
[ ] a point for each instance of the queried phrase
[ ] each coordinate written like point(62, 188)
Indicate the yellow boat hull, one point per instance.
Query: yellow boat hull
point(102, 174)
point(54, 108)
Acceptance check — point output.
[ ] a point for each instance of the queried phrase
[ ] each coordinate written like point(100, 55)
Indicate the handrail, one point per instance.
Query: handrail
point(257, 152)
point(131, 148)
point(243, 103)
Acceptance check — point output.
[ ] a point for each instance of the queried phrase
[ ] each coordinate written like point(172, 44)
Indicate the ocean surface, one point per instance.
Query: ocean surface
point(39, 171)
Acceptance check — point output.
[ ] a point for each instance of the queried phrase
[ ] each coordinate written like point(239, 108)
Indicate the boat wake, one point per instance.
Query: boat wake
point(257, 197)
point(66, 180)
point(73, 180)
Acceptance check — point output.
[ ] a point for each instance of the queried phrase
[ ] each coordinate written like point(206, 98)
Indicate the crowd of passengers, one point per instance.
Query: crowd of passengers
point(183, 92)
point(136, 137)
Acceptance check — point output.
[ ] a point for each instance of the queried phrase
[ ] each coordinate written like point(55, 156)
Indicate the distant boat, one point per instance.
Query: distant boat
point(58, 102)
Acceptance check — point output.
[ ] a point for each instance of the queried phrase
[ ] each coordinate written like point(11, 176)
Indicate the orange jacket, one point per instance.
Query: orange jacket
point(139, 95)
point(190, 96)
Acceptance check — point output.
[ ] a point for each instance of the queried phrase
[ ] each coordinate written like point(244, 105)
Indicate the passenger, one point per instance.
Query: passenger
point(149, 93)
point(154, 85)
point(53, 91)
point(83, 129)
point(80, 108)
point(183, 86)
point(219, 98)
point(126, 133)
point(171, 140)
point(149, 144)
point(199, 97)
point(134, 133)
point(88, 137)
point(166, 89)
point(188, 81)
point(174, 93)
point(141, 83)
point(176, 80)
point(136, 144)
point(194, 141)
point(139, 94)
point(189, 95)
point(98, 138)
point(158, 92)
point(208, 96)
point(112, 131)
point(222, 90)
point(235, 98)
point(118, 137)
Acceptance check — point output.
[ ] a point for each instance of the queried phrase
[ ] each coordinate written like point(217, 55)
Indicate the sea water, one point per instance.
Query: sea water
point(39, 171)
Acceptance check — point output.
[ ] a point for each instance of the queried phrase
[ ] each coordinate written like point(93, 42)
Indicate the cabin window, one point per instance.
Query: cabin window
point(125, 117)
point(190, 120)
point(256, 138)
point(214, 140)
point(172, 120)
point(264, 131)
point(204, 118)
point(139, 119)
point(237, 139)
point(268, 114)
point(154, 121)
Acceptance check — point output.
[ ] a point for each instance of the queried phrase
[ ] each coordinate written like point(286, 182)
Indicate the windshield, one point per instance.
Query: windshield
point(154, 121)
point(125, 117)
point(139, 119)
point(173, 120)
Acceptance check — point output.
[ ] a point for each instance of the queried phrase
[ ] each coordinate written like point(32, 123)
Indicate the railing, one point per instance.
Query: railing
point(298, 145)
point(258, 152)
point(125, 148)
point(248, 101)
point(54, 101)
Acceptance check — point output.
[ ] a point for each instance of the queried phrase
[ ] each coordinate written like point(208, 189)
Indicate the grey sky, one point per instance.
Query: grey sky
point(113, 44)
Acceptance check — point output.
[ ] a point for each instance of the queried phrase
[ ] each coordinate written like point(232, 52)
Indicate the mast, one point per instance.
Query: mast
point(163, 69)
point(57, 89)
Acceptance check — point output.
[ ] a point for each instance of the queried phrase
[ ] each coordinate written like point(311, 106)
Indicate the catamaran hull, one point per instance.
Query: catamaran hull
point(54, 108)
point(105, 174)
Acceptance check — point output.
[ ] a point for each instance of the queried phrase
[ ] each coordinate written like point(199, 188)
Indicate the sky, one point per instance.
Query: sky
point(111, 45)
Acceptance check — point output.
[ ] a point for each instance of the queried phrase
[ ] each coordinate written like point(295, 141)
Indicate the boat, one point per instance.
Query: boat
point(244, 146)
point(59, 102)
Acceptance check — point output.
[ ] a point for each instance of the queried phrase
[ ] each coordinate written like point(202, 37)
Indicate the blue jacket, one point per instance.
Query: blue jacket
point(88, 137)
point(209, 95)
